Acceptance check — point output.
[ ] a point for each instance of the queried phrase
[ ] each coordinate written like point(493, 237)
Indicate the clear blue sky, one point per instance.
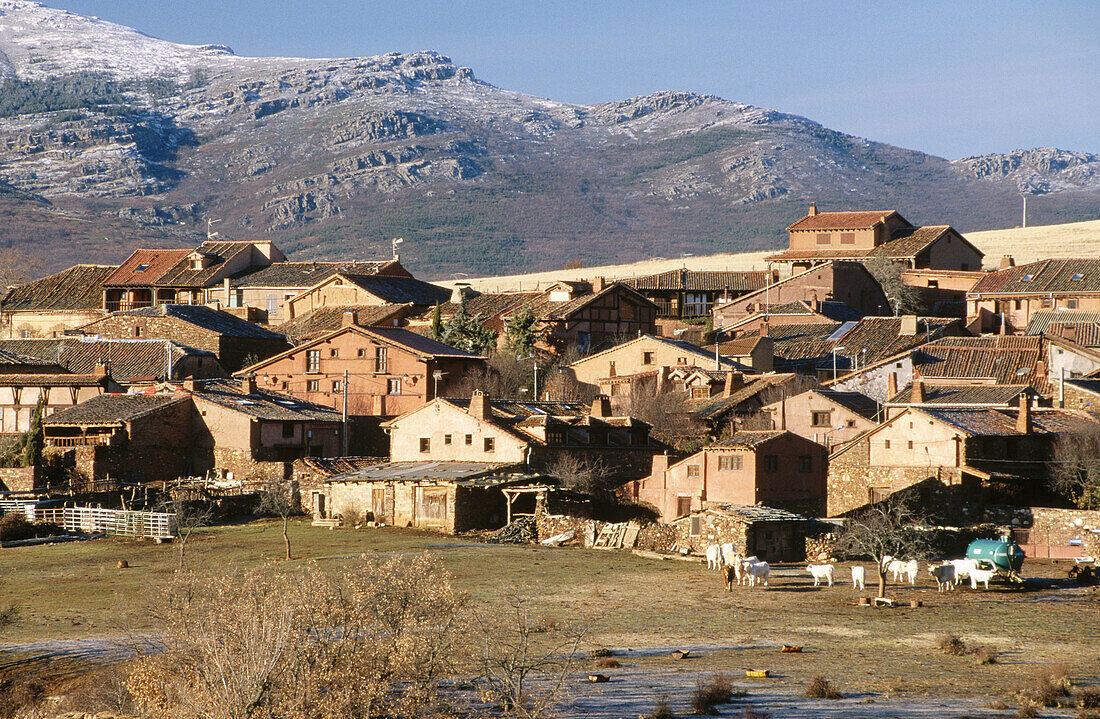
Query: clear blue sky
point(947, 77)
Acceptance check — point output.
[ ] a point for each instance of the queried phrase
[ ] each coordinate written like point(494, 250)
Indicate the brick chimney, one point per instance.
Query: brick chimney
point(1040, 369)
point(812, 212)
point(248, 384)
point(763, 329)
point(601, 406)
point(892, 385)
point(734, 382)
point(599, 284)
point(1069, 332)
point(348, 319)
point(100, 369)
point(1006, 262)
point(918, 388)
point(189, 384)
point(479, 405)
point(908, 325)
point(1023, 417)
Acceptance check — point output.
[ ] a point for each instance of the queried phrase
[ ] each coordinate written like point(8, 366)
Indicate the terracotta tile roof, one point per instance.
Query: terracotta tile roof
point(1059, 321)
point(700, 281)
point(1008, 360)
point(339, 465)
point(202, 316)
point(861, 220)
point(78, 288)
point(112, 409)
point(302, 274)
point(1065, 276)
point(992, 395)
point(331, 318)
point(415, 343)
point(714, 408)
point(262, 404)
point(745, 438)
point(491, 305)
point(155, 263)
point(517, 416)
point(1087, 335)
point(127, 360)
point(9, 359)
point(476, 473)
point(52, 380)
point(399, 290)
point(181, 274)
point(988, 421)
point(904, 243)
point(699, 353)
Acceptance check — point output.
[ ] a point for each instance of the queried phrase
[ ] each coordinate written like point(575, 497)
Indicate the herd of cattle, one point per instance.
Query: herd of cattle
point(751, 571)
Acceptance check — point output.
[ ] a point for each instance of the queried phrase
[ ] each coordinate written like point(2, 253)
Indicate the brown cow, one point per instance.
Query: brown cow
point(729, 576)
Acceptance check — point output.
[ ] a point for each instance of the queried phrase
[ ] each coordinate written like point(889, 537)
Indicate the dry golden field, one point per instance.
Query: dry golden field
point(1078, 239)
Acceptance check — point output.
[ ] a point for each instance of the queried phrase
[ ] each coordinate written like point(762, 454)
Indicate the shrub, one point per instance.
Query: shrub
point(820, 688)
point(548, 623)
point(985, 654)
point(750, 713)
point(1027, 711)
point(601, 652)
point(951, 643)
point(709, 694)
point(661, 710)
point(1050, 684)
point(14, 525)
point(1089, 698)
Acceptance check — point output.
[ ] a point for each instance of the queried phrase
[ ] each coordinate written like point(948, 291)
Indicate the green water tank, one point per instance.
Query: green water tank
point(1003, 554)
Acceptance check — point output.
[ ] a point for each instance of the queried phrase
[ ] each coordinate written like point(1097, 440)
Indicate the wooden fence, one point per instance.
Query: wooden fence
point(118, 522)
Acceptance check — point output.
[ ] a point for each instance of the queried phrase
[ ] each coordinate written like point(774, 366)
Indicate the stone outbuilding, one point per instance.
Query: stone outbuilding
point(773, 535)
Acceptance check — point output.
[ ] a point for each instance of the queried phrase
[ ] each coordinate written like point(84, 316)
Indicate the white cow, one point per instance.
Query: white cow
point(981, 575)
point(740, 567)
point(911, 571)
point(729, 553)
point(757, 571)
point(714, 556)
point(944, 575)
point(821, 573)
point(893, 566)
point(962, 568)
point(858, 577)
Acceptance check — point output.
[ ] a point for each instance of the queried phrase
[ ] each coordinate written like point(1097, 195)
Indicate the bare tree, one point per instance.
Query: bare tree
point(903, 298)
point(668, 414)
point(16, 268)
point(279, 497)
point(882, 530)
point(527, 662)
point(1075, 467)
point(190, 516)
point(577, 472)
point(502, 377)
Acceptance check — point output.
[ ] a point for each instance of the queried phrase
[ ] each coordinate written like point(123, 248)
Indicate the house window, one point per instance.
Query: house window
point(877, 494)
point(446, 439)
point(696, 523)
point(337, 386)
point(334, 352)
point(288, 430)
point(693, 470)
point(847, 238)
point(490, 444)
point(137, 331)
point(647, 358)
point(805, 463)
point(1072, 304)
point(1046, 303)
point(313, 385)
point(313, 360)
point(729, 463)
point(683, 506)
point(887, 444)
point(821, 419)
point(469, 439)
point(1018, 304)
point(933, 283)
point(700, 392)
point(910, 444)
point(361, 352)
point(393, 385)
point(681, 360)
point(556, 436)
point(771, 463)
point(823, 238)
point(425, 444)
point(381, 363)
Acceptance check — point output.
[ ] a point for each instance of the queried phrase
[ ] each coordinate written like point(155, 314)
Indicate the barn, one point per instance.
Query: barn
point(774, 535)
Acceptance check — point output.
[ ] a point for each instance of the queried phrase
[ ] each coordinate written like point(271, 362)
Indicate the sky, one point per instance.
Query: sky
point(941, 76)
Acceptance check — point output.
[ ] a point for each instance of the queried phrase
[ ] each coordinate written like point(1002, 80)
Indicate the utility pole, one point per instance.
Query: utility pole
point(345, 413)
point(1023, 222)
point(536, 366)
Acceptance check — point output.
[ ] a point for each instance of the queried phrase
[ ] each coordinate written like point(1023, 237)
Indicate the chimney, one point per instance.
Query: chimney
point(189, 384)
point(601, 406)
point(479, 405)
point(812, 212)
point(228, 288)
point(892, 385)
point(248, 384)
point(599, 284)
point(1006, 262)
point(1040, 369)
point(349, 319)
point(1023, 418)
point(1069, 332)
point(610, 369)
point(100, 369)
point(763, 329)
point(918, 388)
point(815, 304)
point(461, 290)
point(908, 325)
point(734, 382)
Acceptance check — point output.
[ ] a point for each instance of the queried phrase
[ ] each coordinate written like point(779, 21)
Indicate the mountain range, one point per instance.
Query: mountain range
point(110, 139)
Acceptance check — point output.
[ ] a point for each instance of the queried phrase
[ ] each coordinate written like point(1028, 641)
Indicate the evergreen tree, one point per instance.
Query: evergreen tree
point(521, 332)
point(34, 440)
point(466, 333)
point(437, 323)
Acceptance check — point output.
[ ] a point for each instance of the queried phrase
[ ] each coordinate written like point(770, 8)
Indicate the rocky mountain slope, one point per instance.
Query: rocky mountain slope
point(110, 139)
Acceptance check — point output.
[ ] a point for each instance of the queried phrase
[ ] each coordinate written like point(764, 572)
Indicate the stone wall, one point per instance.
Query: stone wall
point(714, 529)
point(1051, 527)
point(23, 479)
point(241, 464)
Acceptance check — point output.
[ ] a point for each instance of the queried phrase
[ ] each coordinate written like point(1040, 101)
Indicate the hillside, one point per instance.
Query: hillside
point(1078, 239)
point(100, 124)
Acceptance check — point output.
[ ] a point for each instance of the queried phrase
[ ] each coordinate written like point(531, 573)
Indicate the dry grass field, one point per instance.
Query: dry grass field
point(642, 608)
point(1078, 239)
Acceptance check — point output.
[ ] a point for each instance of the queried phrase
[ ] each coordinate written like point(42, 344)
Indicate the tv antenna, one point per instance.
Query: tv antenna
point(210, 234)
point(397, 241)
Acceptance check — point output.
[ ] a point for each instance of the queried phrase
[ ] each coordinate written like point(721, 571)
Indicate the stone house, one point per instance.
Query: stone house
point(691, 294)
point(347, 288)
point(20, 393)
point(234, 341)
point(150, 277)
point(539, 435)
point(390, 371)
point(845, 282)
point(128, 362)
point(827, 417)
point(448, 497)
point(988, 360)
point(799, 312)
point(920, 393)
point(773, 468)
point(862, 235)
point(1006, 300)
point(48, 306)
point(323, 320)
point(740, 403)
point(952, 459)
point(587, 316)
point(773, 535)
